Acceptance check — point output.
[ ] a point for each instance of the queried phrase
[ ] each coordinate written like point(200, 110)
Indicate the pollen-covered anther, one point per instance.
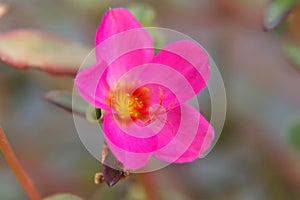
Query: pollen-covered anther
point(131, 105)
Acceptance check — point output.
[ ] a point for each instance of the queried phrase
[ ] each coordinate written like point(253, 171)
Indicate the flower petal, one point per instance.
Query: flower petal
point(165, 81)
point(114, 21)
point(91, 85)
point(193, 138)
point(125, 62)
point(159, 95)
point(117, 135)
point(189, 59)
point(130, 161)
point(132, 151)
point(141, 139)
point(184, 138)
point(119, 33)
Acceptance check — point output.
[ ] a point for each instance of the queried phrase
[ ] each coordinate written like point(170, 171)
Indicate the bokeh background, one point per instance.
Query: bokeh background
point(256, 156)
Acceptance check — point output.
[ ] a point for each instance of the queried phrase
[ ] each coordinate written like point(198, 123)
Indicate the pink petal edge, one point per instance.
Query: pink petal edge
point(138, 142)
point(119, 33)
point(189, 59)
point(114, 21)
point(130, 161)
point(91, 85)
point(188, 145)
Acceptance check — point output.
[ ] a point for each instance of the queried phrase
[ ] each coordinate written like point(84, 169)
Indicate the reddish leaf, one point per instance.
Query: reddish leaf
point(3, 9)
point(112, 169)
point(65, 100)
point(34, 49)
point(111, 175)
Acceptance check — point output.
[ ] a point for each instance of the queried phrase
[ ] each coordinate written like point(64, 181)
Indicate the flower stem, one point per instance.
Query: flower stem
point(16, 167)
point(148, 182)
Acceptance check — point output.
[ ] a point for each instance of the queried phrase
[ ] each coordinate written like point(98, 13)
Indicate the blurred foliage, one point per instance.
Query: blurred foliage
point(116, 192)
point(174, 195)
point(31, 48)
point(293, 22)
point(293, 53)
point(65, 100)
point(136, 192)
point(3, 9)
point(143, 12)
point(62, 197)
point(294, 135)
point(276, 12)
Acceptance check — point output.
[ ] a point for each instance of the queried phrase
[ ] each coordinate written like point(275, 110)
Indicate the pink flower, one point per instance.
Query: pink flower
point(144, 95)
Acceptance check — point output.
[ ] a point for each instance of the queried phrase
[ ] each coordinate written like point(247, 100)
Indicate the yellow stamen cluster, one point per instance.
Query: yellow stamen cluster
point(128, 105)
point(133, 105)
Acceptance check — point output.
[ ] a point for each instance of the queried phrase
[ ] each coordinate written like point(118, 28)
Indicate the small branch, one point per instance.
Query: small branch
point(16, 167)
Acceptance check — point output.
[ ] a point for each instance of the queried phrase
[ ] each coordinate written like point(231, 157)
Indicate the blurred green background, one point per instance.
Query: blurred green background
point(257, 155)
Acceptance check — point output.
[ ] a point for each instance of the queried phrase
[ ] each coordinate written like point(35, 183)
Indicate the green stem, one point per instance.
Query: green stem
point(16, 167)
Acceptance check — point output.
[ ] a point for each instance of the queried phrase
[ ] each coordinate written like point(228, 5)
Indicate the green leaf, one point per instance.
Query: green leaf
point(293, 53)
point(34, 49)
point(143, 12)
point(276, 13)
point(65, 100)
point(294, 135)
point(93, 114)
point(62, 197)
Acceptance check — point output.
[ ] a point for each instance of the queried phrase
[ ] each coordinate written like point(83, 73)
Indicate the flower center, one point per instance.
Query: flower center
point(134, 106)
